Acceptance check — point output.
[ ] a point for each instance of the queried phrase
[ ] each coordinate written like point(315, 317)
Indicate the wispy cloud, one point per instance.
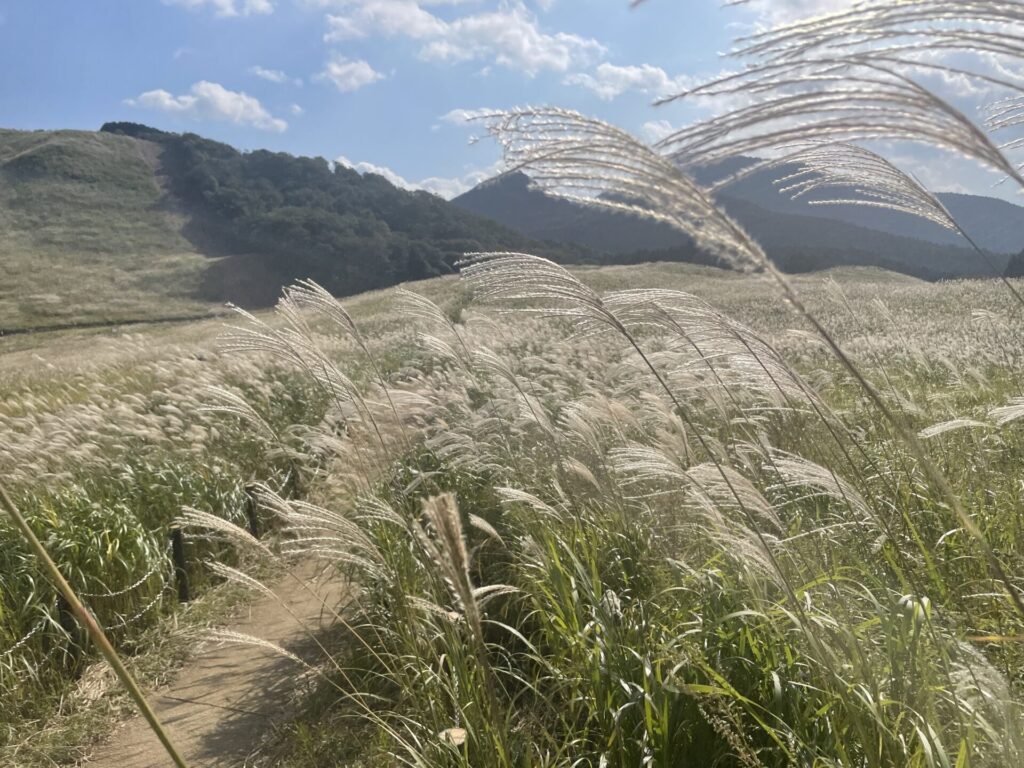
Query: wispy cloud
point(273, 75)
point(609, 80)
point(349, 75)
point(781, 11)
point(211, 101)
point(464, 116)
point(227, 8)
point(446, 187)
point(656, 130)
point(510, 37)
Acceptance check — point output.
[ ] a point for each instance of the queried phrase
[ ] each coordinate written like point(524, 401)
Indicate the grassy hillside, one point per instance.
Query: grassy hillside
point(133, 223)
point(85, 236)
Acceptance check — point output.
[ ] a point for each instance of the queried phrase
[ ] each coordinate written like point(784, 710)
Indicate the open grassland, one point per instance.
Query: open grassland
point(86, 238)
point(686, 541)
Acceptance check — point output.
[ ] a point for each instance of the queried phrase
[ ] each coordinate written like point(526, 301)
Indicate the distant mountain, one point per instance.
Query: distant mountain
point(511, 200)
point(797, 236)
point(994, 224)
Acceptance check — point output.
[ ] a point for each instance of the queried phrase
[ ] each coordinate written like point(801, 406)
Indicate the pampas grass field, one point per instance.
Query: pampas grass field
point(706, 548)
point(647, 516)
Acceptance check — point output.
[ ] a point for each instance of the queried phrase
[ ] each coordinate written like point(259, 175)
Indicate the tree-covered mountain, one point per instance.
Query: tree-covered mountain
point(283, 217)
point(798, 237)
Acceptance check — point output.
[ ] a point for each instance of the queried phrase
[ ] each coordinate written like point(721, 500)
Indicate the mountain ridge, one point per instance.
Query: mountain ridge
point(797, 236)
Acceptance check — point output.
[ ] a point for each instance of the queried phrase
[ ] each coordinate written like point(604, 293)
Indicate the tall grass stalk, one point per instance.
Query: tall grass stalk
point(89, 624)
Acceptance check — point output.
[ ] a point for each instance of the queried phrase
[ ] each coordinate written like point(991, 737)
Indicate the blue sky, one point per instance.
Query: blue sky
point(380, 83)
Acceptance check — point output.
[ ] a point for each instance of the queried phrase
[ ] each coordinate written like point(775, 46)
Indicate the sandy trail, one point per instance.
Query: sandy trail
point(228, 696)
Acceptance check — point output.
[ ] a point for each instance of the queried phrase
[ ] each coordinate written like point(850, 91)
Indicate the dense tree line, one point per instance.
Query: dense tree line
point(306, 217)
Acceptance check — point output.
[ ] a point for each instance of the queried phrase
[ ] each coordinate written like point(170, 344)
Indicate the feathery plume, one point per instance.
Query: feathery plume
point(950, 426)
point(827, 100)
point(589, 161)
point(195, 518)
point(868, 177)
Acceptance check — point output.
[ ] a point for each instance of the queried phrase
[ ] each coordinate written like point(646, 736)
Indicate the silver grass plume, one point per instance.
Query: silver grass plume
point(827, 100)
point(983, 693)
point(312, 530)
point(734, 353)
point(374, 509)
point(867, 178)
point(906, 34)
point(1004, 114)
point(587, 160)
point(292, 344)
point(736, 517)
point(950, 426)
point(224, 401)
point(236, 576)
point(445, 544)
point(447, 549)
point(728, 489)
point(814, 480)
point(548, 288)
point(223, 636)
point(643, 464)
point(894, 29)
point(510, 496)
point(1008, 413)
point(307, 294)
point(197, 519)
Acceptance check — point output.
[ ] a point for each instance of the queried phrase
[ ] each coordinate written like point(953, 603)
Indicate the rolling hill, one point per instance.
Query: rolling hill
point(132, 223)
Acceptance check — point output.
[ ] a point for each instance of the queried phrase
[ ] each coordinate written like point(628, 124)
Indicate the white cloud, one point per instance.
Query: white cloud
point(296, 110)
point(349, 75)
point(509, 36)
point(227, 8)
point(211, 101)
point(782, 11)
point(273, 75)
point(464, 116)
point(609, 80)
point(380, 170)
point(656, 130)
point(455, 186)
point(386, 17)
point(441, 186)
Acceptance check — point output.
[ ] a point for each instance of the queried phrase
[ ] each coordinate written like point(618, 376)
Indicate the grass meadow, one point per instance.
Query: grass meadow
point(682, 538)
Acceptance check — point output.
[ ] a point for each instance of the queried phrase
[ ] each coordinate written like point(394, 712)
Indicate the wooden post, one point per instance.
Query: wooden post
point(180, 567)
point(251, 512)
point(77, 638)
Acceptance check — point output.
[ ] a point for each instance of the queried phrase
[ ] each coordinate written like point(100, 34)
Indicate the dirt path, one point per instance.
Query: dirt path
point(228, 696)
